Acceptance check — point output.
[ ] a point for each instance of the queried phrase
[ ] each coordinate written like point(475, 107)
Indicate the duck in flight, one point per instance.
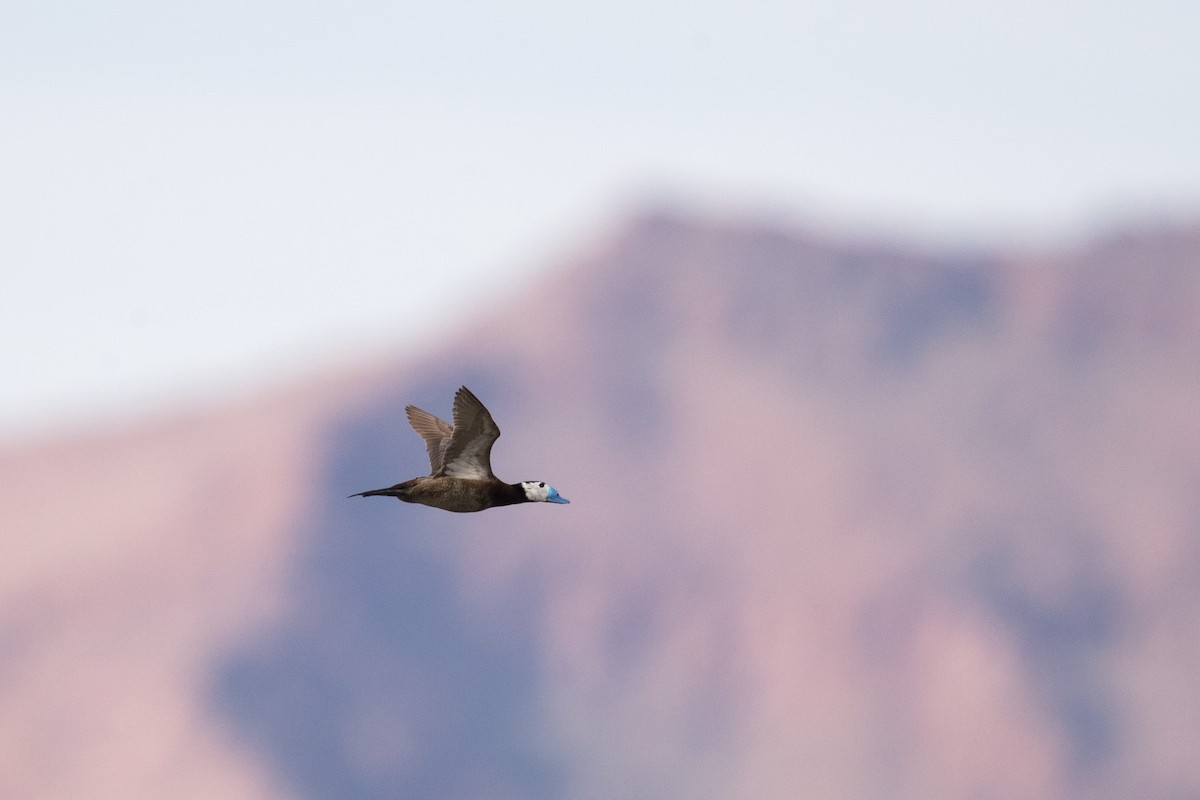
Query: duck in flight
point(460, 465)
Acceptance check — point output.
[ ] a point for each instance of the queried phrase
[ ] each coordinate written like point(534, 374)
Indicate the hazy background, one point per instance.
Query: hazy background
point(211, 196)
point(862, 337)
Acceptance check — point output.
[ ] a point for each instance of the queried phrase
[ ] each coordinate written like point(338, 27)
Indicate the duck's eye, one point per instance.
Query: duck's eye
point(541, 484)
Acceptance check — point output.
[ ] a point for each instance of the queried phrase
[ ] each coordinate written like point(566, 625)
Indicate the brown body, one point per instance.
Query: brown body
point(454, 494)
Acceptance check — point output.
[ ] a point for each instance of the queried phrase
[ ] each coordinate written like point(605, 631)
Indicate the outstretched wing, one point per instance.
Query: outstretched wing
point(434, 431)
point(469, 452)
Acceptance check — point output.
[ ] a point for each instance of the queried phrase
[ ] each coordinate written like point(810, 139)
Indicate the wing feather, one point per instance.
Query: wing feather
point(468, 453)
point(436, 433)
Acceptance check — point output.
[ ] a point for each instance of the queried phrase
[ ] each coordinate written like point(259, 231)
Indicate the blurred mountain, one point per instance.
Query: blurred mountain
point(851, 519)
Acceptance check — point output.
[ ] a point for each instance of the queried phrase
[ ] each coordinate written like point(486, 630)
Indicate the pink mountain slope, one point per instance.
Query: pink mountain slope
point(849, 520)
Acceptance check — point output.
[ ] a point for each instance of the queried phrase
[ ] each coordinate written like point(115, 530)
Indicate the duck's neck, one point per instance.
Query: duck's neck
point(507, 494)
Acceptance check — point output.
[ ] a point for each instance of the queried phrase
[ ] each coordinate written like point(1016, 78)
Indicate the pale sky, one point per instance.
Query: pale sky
point(199, 199)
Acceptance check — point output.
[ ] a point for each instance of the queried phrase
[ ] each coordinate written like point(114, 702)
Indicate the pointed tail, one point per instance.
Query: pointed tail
point(392, 491)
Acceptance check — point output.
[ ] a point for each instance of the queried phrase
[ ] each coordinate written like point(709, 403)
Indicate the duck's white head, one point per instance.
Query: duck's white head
point(542, 492)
